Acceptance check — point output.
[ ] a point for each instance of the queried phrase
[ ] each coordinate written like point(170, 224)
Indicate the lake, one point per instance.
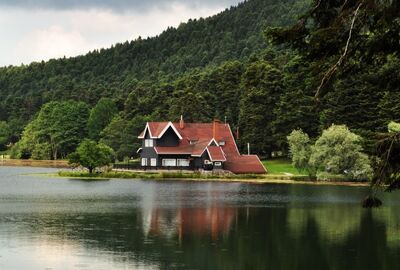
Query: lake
point(52, 223)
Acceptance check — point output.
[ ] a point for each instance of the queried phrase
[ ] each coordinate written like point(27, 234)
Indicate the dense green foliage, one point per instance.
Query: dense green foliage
point(115, 72)
point(339, 152)
point(55, 132)
point(353, 47)
point(387, 167)
point(100, 116)
point(200, 70)
point(336, 152)
point(306, 75)
point(394, 127)
point(300, 151)
point(122, 135)
point(5, 134)
point(351, 50)
point(91, 155)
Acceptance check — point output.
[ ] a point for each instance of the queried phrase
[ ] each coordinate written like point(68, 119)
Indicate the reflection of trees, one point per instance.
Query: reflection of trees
point(334, 222)
point(257, 238)
point(391, 218)
point(211, 235)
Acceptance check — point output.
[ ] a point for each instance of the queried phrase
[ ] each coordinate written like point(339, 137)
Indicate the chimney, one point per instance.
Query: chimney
point(237, 133)
point(181, 123)
point(215, 129)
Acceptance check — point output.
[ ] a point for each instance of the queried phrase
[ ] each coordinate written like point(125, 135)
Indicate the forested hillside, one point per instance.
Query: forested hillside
point(264, 66)
point(233, 34)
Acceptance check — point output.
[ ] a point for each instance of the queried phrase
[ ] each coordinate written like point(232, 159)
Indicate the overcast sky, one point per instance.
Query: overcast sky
point(35, 30)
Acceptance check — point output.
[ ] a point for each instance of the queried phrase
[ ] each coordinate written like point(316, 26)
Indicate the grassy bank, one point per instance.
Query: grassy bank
point(279, 171)
point(155, 175)
point(34, 163)
point(280, 167)
point(178, 176)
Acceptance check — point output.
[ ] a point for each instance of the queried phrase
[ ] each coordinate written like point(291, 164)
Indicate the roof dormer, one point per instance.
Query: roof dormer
point(170, 125)
point(157, 130)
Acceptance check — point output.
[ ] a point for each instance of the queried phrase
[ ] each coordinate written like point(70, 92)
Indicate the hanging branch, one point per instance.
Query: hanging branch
point(328, 75)
point(387, 168)
point(301, 23)
point(344, 4)
point(316, 7)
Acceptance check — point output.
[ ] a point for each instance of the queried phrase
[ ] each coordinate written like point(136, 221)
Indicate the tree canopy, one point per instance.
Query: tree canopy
point(300, 151)
point(5, 134)
point(387, 167)
point(55, 132)
point(336, 152)
point(100, 116)
point(220, 67)
point(91, 155)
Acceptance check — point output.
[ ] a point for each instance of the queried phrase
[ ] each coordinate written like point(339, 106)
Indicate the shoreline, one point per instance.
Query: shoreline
point(259, 181)
point(58, 164)
point(163, 176)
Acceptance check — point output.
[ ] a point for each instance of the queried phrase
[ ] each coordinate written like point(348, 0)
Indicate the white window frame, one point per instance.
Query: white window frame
point(207, 162)
point(218, 163)
point(153, 162)
point(169, 162)
point(183, 162)
point(148, 143)
point(144, 162)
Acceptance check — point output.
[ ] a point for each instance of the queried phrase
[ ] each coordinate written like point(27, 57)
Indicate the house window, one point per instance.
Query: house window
point(169, 162)
point(148, 143)
point(218, 164)
point(221, 143)
point(153, 162)
point(207, 162)
point(183, 163)
point(144, 162)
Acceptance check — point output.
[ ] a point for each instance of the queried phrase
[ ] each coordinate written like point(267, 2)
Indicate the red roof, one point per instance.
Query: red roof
point(206, 136)
point(245, 164)
point(216, 153)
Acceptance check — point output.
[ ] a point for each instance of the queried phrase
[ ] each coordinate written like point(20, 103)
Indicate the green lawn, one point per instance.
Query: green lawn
point(280, 166)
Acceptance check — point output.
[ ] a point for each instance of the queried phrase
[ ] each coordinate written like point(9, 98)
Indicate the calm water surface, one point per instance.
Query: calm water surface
point(50, 223)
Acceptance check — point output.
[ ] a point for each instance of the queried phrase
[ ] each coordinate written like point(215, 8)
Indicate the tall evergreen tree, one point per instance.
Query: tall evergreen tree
point(100, 116)
point(262, 84)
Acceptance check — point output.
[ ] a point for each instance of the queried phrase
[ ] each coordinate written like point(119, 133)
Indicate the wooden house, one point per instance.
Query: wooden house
point(194, 146)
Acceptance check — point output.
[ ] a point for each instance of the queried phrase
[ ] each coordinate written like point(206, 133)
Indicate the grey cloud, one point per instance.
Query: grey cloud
point(115, 5)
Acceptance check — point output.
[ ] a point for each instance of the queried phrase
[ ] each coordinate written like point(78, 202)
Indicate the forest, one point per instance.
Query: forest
point(268, 67)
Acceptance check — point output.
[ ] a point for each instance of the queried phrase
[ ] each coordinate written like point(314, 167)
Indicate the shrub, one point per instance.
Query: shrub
point(337, 154)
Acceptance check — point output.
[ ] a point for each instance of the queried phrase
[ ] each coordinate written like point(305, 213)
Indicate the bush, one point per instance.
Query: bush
point(300, 152)
point(336, 155)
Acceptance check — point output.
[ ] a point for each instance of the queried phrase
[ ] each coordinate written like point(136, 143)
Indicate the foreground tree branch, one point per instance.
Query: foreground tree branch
point(328, 75)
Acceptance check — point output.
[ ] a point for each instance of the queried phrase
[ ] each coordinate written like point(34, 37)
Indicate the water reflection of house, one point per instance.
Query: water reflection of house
point(196, 211)
point(213, 221)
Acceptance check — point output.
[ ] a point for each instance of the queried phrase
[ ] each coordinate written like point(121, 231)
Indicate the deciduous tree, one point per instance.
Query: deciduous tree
point(300, 148)
point(338, 151)
point(91, 155)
